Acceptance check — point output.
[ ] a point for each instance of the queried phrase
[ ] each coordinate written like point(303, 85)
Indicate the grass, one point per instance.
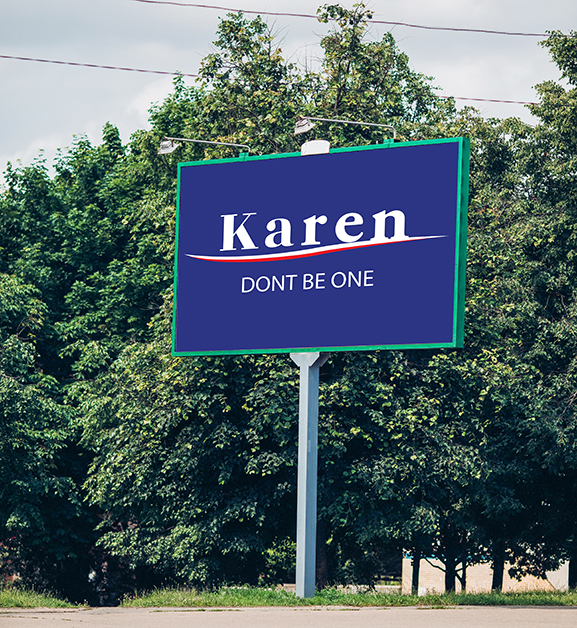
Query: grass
point(10, 597)
point(243, 597)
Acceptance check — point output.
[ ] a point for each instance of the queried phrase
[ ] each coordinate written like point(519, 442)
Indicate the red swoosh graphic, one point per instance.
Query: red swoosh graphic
point(321, 250)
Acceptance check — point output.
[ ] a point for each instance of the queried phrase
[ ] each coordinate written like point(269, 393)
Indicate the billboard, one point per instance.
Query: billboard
point(361, 248)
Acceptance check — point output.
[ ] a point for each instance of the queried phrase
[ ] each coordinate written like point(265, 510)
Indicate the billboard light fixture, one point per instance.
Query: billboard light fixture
point(166, 147)
point(167, 144)
point(305, 124)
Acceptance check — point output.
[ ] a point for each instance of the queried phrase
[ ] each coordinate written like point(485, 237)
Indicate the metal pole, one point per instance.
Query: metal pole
point(384, 126)
point(185, 139)
point(309, 365)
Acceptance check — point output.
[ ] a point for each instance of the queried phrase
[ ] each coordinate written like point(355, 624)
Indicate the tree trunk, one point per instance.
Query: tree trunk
point(498, 567)
point(416, 569)
point(450, 574)
point(573, 569)
point(463, 578)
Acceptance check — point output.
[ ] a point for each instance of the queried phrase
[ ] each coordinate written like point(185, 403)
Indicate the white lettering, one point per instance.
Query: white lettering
point(281, 230)
point(311, 281)
point(264, 283)
point(279, 283)
point(311, 229)
point(353, 278)
point(348, 220)
point(267, 284)
point(229, 233)
point(284, 232)
point(398, 226)
point(244, 287)
point(334, 279)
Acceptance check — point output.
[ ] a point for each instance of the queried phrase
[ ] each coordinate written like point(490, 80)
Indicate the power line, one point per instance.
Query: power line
point(307, 15)
point(176, 73)
point(509, 102)
point(93, 65)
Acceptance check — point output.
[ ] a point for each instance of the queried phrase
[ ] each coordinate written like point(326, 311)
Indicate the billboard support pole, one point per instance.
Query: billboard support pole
point(309, 365)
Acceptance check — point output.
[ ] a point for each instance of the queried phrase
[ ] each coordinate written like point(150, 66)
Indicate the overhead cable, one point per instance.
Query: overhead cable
point(177, 73)
point(307, 15)
point(93, 65)
point(509, 102)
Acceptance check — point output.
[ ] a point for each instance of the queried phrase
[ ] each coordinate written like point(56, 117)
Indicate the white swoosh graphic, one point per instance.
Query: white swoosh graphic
point(319, 250)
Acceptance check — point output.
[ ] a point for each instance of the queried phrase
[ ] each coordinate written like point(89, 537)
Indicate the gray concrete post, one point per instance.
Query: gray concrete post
point(309, 365)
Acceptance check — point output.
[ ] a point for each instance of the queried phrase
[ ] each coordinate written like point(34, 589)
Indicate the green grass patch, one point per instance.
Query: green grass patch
point(243, 597)
point(11, 597)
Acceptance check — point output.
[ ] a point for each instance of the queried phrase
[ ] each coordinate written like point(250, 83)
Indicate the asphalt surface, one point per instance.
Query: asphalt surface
point(312, 617)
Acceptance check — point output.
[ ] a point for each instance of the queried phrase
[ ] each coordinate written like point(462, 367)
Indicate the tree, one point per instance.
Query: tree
point(41, 525)
point(250, 95)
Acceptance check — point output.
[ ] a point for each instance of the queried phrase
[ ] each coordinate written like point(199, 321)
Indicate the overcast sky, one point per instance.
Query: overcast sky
point(42, 106)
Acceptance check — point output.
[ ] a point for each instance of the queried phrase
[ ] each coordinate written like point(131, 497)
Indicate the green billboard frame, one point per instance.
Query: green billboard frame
point(460, 250)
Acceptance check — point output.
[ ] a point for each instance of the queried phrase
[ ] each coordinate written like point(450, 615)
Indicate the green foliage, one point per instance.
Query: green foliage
point(280, 561)
point(371, 81)
point(179, 479)
point(40, 515)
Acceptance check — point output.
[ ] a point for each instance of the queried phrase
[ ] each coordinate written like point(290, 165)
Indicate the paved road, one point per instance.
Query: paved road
point(316, 617)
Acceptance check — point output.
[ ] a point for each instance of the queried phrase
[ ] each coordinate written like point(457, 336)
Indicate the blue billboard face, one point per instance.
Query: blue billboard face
point(356, 249)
